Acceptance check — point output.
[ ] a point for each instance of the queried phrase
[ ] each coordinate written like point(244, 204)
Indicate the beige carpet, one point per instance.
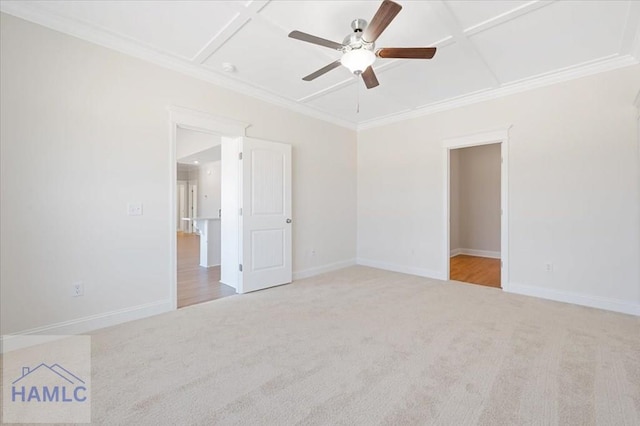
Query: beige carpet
point(363, 346)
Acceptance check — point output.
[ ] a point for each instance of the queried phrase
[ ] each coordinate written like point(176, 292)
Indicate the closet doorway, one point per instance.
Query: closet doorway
point(474, 200)
point(476, 209)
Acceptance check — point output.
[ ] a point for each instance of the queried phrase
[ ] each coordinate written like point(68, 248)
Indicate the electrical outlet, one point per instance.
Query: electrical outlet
point(548, 267)
point(77, 289)
point(313, 252)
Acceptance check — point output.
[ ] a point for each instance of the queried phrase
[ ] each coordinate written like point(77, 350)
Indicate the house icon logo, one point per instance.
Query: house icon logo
point(48, 383)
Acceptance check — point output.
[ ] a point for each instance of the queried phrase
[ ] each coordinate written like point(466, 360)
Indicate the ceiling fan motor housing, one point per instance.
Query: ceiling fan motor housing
point(354, 40)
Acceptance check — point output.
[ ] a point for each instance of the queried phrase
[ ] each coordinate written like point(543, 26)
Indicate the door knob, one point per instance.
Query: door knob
point(288, 220)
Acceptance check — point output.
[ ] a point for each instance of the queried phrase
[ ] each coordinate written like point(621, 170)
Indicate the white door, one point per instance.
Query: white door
point(265, 221)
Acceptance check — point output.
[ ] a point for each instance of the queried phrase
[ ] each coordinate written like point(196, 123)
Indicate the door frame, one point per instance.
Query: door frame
point(179, 221)
point(500, 136)
point(202, 122)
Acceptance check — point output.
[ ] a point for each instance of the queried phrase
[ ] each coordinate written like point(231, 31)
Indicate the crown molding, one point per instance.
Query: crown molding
point(500, 134)
point(119, 43)
point(583, 70)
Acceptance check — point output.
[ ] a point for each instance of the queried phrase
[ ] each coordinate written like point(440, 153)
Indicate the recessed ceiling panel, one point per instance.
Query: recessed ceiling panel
point(178, 27)
point(357, 103)
point(327, 19)
point(473, 12)
point(415, 25)
point(265, 57)
point(554, 37)
point(451, 73)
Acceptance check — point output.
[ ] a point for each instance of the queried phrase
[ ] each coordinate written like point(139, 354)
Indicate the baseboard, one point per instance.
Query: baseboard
point(310, 272)
point(473, 252)
point(607, 304)
point(83, 325)
point(411, 270)
point(455, 252)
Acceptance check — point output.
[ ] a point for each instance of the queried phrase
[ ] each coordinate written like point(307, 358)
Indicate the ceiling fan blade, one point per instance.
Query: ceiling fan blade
point(369, 78)
point(406, 52)
point(383, 17)
point(299, 35)
point(322, 70)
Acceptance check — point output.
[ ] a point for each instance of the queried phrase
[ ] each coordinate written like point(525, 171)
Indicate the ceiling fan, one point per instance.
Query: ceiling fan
point(358, 48)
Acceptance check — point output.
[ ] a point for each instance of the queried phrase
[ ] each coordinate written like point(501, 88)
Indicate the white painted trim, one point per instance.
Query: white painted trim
point(455, 252)
point(473, 252)
point(203, 122)
point(582, 70)
point(83, 325)
point(608, 304)
point(501, 136)
point(129, 47)
point(637, 101)
point(193, 119)
point(317, 270)
point(475, 139)
point(507, 16)
point(411, 270)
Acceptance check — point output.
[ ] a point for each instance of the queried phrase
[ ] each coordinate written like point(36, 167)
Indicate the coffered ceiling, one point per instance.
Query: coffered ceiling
point(485, 48)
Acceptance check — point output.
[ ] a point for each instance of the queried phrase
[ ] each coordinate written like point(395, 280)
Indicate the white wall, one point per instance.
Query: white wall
point(76, 115)
point(475, 199)
point(209, 189)
point(573, 188)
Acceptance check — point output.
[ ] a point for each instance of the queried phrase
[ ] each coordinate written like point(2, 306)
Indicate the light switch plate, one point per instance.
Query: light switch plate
point(134, 209)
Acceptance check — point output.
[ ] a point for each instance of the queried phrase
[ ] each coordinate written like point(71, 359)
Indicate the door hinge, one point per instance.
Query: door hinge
point(240, 156)
point(240, 211)
point(240, 267)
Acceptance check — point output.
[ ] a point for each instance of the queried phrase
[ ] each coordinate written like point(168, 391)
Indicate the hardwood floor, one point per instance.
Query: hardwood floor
point(475, 270)
point(197, 284)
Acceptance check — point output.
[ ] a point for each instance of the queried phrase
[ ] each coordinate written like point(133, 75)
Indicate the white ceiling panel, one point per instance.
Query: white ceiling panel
point(272, 61)
point(177, 27)
point(450, 74)
point(327, 19)
point(416, 24)
point(512, 44)
point(472, 12)
point(552, 38)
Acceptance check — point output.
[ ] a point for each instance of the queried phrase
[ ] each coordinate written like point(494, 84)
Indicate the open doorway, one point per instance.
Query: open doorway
point(255, 224)
point(474, 200)
point(492, 225)
point(198, 208)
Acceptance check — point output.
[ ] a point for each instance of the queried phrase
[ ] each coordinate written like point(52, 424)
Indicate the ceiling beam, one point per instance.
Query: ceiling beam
point(507, 16)
point(244, 14)
point(450, 22)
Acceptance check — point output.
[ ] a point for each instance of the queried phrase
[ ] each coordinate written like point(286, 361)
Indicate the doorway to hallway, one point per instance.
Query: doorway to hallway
point(197, 284)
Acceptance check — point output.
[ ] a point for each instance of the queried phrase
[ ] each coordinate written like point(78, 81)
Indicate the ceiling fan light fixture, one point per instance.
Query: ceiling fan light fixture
point(358, 60)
